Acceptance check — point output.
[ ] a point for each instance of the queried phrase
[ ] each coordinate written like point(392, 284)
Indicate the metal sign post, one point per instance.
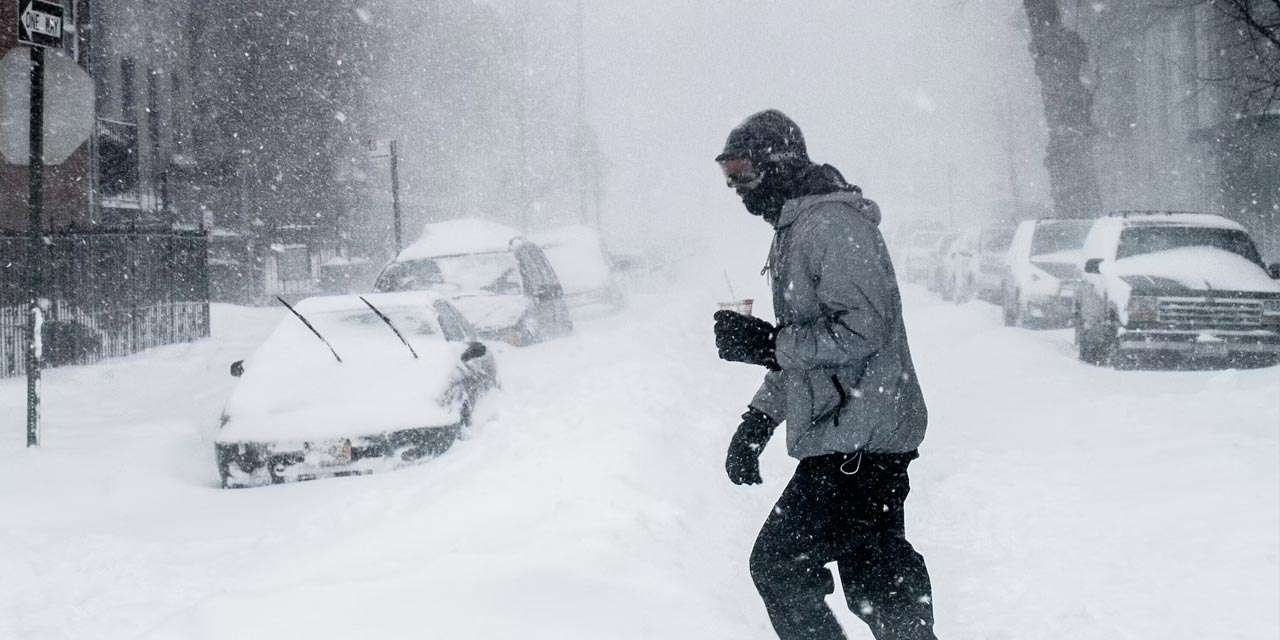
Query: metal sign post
point(35, 250)
point(40, 26)
point(378, 150)
point(395, 195)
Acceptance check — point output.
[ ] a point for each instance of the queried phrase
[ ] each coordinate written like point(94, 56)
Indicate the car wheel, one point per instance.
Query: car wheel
point(1012, 307)
point(963, 292)
point(1090, 351)
point(1109, 347)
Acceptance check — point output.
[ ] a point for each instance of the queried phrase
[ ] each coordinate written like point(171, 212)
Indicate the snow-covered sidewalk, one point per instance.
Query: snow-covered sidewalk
point(1052, 499)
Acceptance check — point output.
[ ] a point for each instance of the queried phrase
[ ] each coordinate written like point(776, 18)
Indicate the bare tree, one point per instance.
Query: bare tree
point(1248, 54)
point(1060, 55)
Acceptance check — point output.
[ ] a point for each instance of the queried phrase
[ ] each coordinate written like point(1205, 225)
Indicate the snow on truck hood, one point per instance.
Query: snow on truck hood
point(293, 388)
point(1193, 269)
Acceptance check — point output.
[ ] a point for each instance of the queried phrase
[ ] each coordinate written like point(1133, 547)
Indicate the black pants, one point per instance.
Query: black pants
point(847, 509)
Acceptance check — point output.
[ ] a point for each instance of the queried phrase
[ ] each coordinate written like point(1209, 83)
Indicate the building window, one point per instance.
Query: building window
point(117, 146)
point(128, 96)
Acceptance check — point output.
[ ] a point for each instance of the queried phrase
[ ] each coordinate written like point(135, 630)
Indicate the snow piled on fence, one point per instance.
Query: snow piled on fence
point(1053, 500)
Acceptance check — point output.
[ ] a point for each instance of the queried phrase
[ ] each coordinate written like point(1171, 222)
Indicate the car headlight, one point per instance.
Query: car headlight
point(1271, 307)
point(1144, 309)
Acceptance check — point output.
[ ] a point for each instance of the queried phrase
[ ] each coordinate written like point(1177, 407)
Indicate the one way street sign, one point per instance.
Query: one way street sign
point(40, 23)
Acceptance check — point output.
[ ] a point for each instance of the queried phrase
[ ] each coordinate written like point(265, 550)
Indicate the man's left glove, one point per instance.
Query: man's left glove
point(742, 338)
point(743, 462)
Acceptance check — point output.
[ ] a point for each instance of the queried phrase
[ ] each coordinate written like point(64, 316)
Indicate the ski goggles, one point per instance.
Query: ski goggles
point(740, 174)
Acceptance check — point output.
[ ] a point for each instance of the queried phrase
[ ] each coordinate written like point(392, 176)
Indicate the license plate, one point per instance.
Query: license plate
point(1211, 349)
point(330, 453)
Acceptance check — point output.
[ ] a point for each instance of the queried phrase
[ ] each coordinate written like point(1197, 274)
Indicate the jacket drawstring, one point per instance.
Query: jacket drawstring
point(857, 455)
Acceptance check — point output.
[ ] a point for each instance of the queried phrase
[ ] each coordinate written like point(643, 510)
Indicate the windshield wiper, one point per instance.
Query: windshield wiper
point(313, 329)
point(389, 324)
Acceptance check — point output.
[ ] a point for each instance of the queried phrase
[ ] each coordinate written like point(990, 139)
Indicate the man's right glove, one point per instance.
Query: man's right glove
point(743, 461)
point(743, 338)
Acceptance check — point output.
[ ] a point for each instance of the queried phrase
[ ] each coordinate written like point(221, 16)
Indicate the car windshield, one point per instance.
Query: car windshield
point(1058, 236)
point(409, 320)
point(496, 272)
point(1136, 241)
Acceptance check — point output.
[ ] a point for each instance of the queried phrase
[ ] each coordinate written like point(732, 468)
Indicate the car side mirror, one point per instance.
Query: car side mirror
point(1274, 270)
point(237, 368)
point(474, 350)
point(1093, 265)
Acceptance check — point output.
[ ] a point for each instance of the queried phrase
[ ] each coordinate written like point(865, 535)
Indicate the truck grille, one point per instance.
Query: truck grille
point(1208, 312)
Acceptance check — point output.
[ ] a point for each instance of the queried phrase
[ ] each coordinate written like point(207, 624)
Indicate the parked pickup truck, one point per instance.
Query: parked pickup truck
point(1191, 285)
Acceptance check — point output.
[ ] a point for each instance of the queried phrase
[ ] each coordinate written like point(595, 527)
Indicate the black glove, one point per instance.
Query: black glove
point(746, 339)
point(743, 461)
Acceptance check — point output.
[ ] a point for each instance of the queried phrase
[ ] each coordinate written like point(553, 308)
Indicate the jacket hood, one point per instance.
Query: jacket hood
point(865, 208)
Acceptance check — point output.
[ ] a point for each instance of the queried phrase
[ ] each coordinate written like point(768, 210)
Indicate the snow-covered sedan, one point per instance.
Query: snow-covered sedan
point(349, 385)
point(917, 254)
point(1191, 285)
point(1043, 269)
point(501, 282)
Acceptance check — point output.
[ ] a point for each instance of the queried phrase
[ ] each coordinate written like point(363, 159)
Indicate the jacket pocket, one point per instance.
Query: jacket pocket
point(834, 398)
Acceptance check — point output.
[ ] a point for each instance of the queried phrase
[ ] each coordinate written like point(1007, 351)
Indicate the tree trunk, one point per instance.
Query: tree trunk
point(1060, 55)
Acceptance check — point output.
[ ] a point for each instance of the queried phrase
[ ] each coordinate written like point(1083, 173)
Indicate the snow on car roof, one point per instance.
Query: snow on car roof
point(1179, 219)
point(293, 387)
point(461, 236)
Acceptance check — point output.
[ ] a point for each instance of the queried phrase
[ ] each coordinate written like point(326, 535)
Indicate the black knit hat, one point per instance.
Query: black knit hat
point(767, 137)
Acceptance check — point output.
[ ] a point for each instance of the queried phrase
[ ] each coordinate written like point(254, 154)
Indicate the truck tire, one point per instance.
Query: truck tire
point(1011, 305)
point(1087, 346)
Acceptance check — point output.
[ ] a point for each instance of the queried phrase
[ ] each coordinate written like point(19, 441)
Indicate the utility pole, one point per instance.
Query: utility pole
point(951, 195)
point(581, 137)
point(35, 244)
point(393, 156)
point(522, 115)
point(395, 196)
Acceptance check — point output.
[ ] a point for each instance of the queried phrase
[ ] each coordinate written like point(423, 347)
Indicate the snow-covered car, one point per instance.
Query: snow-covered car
point(583, 265)
point(349, 385)
point(917, 254)
point(1043, 270)
point(501, 282)
point(937, 281)
point(975, 266)
point(1176, 283)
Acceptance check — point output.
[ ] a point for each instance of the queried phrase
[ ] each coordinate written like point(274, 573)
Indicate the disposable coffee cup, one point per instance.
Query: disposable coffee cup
point(739, 306)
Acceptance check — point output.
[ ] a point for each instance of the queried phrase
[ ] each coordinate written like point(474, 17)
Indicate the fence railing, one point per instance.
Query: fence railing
point(110, 293)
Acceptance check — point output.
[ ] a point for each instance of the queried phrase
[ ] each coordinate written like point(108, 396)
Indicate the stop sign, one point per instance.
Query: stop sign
point(68, 106)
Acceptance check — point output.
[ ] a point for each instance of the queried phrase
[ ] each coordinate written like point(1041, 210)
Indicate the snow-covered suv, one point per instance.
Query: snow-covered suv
point(1044, 266)
point(1180, 283)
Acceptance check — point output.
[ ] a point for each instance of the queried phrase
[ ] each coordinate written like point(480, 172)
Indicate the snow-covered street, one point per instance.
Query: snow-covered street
point(1052, 499)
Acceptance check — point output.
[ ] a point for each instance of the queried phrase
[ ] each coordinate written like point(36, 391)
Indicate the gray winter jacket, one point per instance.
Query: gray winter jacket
point(847, 381)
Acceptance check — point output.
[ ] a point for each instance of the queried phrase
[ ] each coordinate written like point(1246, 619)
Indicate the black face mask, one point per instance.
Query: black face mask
point(764, 202)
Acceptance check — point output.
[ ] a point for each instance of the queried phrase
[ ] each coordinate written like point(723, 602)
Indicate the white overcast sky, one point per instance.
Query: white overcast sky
point(891, 92)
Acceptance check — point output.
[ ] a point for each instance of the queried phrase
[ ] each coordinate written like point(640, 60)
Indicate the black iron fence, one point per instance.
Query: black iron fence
point(110, 293)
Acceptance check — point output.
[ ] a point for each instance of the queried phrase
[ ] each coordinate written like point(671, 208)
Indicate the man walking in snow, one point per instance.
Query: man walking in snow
point(840, 375)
